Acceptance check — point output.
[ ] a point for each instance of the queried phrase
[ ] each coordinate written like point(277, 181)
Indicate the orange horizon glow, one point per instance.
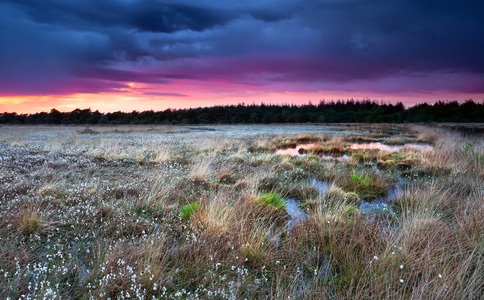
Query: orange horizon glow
point(132, 99)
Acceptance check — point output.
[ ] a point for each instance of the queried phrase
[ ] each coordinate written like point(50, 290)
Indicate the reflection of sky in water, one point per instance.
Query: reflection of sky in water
point(296, 214)
point(321, 186)
point(294, 151)
point(391, 148)
point(375, 208)
point(292, 205)
point(369, 146)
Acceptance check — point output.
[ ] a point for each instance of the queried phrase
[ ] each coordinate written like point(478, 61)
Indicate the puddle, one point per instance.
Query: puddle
point(380, 206)
point(292, 205)
point(355, 146)
point(296, 214)
point(396, 191)
point(376, 208)
point(391, 148)
point(294, 151)
point(321, 186)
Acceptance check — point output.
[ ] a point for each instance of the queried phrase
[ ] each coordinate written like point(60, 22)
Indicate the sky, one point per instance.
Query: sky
point(124, 55)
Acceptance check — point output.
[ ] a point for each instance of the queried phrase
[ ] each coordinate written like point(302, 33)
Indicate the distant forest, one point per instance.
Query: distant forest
point(351, 111)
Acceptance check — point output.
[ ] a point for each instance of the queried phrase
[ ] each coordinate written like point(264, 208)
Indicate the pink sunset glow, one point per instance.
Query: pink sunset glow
point(154, 56)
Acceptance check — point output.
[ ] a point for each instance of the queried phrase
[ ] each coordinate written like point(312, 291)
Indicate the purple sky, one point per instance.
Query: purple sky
point(163, 54)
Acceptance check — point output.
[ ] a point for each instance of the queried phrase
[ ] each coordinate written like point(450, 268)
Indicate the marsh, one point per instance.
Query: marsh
point(172, 212)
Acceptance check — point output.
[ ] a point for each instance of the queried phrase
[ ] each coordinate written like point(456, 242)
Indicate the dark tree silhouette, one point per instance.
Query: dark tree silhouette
point(339, 111)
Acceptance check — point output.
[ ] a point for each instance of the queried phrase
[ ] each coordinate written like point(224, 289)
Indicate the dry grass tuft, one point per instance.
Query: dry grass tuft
point(30, 222)
point(226, 178)
point(200, 171)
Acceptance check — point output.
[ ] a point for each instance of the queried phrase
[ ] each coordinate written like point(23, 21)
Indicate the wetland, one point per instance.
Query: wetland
point(242, 211)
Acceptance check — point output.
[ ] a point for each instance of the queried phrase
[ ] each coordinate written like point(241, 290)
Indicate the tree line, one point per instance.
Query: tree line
point(350, 111)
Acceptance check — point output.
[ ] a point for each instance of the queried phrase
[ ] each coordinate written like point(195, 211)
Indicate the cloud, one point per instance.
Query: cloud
point(92, 46)
point(164, 94)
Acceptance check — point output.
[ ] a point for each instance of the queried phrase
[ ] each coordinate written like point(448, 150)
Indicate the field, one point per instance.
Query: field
point(233, 212)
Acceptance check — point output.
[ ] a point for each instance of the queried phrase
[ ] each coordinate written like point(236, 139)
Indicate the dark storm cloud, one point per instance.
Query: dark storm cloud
point(54, 46)
point(151, 16)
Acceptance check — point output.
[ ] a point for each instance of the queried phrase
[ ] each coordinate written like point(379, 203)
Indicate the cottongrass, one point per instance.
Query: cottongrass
point(100, 217)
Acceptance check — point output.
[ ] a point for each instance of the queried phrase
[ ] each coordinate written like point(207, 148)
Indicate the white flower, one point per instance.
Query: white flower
point(440, 275)
point(375, 257)
point(401, 280)
point(401, 267)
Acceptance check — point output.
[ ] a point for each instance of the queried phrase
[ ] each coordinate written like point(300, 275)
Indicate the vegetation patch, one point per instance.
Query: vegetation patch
point(226, 178)
point(272, 200)
point(207, 219)
point(31, 222)
point(367, 187)
point(187, 211)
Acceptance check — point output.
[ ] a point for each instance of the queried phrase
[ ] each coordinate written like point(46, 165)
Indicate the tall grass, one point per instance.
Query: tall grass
point(137, 213)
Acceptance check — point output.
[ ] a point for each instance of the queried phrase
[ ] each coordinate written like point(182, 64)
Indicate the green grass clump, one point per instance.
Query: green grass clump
point(273, 200)
point(189, 210)
point(366, 186)
point(358, 179)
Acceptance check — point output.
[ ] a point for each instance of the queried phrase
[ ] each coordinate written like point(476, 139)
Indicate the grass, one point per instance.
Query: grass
point(187, 211)
point(366, 186)
point(30, 223)
point(472, 154)
point(272, 200)
point(166, 213)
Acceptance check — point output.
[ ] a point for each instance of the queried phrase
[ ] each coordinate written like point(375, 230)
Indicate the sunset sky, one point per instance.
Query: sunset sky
point(129, 55)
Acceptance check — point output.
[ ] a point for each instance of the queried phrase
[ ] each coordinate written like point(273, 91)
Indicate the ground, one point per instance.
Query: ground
point(234, 212)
